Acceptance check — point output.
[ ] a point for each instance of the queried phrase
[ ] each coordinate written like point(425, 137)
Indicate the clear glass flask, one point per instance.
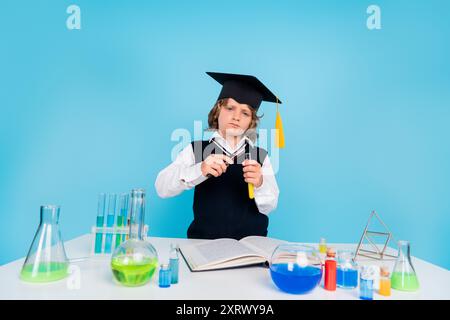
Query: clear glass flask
point(404, 276)
point(46, 259)
point(134, 262)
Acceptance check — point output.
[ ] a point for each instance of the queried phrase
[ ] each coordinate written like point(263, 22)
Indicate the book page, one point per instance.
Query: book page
point(263, 245)
point(213, 252)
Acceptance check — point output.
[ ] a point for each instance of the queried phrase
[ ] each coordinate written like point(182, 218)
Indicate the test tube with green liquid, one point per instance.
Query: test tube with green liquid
point(100, 221)
point(121, 217)
point(126, 218)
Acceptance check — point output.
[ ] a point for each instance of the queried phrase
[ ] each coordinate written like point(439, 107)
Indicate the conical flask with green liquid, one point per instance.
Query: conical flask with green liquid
point(404, 276)
point(46, 259)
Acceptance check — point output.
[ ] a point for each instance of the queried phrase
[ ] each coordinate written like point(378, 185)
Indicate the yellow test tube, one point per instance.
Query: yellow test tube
point(251, 190)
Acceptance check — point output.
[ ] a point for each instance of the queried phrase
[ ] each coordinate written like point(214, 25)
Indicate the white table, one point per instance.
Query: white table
point(249, 283)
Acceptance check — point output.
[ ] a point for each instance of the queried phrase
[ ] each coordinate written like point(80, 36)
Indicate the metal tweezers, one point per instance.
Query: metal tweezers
point(233, 155)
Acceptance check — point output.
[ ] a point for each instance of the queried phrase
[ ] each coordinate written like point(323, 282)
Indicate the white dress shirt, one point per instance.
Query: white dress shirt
point(184, 174)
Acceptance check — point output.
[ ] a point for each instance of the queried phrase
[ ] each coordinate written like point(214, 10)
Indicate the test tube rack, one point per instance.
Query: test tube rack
point(116, 232)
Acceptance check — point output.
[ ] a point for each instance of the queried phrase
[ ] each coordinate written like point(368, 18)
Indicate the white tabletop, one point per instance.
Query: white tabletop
point(92, 279)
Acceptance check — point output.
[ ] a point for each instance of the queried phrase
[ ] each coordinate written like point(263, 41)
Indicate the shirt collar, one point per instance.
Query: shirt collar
point(219, 139)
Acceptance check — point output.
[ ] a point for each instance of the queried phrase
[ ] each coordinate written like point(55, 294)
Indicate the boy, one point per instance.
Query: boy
point(218, 168)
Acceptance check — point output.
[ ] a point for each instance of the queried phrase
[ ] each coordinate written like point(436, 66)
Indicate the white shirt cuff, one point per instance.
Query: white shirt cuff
point(266, 196)
point(192, 176)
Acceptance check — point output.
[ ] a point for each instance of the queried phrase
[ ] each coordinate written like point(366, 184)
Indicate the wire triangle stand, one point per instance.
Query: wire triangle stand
point(376, 253)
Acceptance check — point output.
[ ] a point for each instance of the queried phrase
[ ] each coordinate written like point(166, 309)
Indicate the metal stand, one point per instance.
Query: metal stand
point(367, 234)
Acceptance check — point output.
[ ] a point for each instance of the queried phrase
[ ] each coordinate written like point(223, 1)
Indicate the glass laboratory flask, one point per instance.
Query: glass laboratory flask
point(134, 262)
point(347, 270)
point(404, 276)
point(295, 268)
point(46, 260)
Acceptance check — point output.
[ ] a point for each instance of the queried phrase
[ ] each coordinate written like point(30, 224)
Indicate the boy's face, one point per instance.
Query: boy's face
point(234, 118)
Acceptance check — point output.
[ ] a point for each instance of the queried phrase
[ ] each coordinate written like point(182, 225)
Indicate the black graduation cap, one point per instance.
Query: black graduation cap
point(243, 88)
point(247, 89)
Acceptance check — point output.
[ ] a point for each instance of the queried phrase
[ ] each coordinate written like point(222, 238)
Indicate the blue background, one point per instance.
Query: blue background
point(366, 113)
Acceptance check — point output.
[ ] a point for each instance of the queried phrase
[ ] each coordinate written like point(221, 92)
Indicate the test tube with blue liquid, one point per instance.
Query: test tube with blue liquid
point(173, 263)
point(100, 221)
point(110, 221)
point(121, 217)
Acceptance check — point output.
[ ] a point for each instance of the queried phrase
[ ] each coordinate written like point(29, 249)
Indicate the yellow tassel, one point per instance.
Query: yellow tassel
point(279, 134)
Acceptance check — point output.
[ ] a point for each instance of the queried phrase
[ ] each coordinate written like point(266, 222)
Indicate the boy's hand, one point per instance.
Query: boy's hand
point(252, 172)
point(215, 165)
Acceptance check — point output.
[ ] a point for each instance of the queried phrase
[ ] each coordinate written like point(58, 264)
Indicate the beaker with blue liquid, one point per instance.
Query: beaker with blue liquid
point(347, 270)
point(295, 268)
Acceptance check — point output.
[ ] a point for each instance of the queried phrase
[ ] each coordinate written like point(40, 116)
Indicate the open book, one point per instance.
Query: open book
point(228, 253)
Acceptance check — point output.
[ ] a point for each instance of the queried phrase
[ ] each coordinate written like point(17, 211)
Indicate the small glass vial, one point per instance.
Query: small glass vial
point(385, 282)
point(323, 245)
point(347, 270)
point(173, 263)
point(330, 270)
point(366, 283)
point(164, 276)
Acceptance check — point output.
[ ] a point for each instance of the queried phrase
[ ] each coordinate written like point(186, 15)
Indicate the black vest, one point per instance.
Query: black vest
point(222, 208)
